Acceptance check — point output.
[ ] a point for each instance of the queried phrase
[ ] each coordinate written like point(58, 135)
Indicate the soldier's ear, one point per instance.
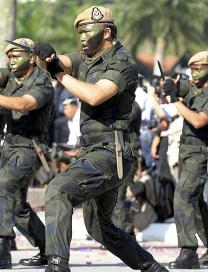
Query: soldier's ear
point(107, 33)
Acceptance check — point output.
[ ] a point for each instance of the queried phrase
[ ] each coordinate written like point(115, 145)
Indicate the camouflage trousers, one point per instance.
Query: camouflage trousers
point(190, 210)
point(93, 181)
point(16, 169)
point(122, 216)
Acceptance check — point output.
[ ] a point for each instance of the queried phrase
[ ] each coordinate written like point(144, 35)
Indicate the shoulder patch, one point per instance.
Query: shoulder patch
point(96, 14)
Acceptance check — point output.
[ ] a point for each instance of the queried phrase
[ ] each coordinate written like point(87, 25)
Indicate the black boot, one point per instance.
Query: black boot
point(5, 255)
point(155, 267)
point(203, 261)
point(37, 260)
point(57, 264)
point(188, 259)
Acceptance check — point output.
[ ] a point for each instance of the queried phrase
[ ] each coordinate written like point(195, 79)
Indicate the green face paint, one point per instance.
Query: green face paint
point(91, 37)
point(19, 62)
point(199, 73)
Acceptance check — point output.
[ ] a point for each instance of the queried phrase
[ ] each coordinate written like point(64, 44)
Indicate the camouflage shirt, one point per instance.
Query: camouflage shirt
point(196, 100)
point(34, 122)
point(116, 65)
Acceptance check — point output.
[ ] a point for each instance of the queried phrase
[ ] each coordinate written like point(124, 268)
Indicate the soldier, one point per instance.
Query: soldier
point(190, 209)
point(104, 77)
point(27, 102)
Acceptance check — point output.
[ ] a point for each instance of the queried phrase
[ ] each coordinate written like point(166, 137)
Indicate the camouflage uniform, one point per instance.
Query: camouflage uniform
point(19, 160)
point(93, 180)
point(189, 207)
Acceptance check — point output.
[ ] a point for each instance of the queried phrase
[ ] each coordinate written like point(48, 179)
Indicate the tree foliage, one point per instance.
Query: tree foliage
point(52, 21)
point(179, 23)
point(7, 22)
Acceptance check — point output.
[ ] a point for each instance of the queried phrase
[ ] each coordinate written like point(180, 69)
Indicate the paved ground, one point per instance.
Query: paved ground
point(86, 255)
point(97, 260)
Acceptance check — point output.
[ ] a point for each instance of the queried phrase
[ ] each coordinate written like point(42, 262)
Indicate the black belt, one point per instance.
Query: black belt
point(193, 141)
point(26, 134)
point(16, 139)
point(102, 137)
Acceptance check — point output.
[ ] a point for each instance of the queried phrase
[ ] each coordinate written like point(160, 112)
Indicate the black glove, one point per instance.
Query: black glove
point(171, 88)
point(174, 96)
point(168, 86)
point(54, 67)
point(43, 50)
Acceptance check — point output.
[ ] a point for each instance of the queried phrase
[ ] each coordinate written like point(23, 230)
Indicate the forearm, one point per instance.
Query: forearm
point(194, 118)
point(13, 103)
point(84, 91)
point(154, 146)
point(92, 94)
point(159, 111)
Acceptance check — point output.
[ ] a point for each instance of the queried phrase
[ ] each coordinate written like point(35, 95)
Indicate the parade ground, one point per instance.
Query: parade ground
point(96, 259)
point(86, 255)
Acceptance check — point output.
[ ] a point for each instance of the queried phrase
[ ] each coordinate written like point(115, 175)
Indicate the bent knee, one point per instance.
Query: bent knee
point(51, 192)
point(64, 188)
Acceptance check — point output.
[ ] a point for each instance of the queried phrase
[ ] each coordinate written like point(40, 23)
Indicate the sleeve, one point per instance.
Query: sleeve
point(184, 87)
point(204, 107)
point(42, 90)
point(123, 73)
point(76, 60)
point(200, 103)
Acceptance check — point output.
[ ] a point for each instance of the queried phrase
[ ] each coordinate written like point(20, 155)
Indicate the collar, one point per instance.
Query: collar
point(33, 76)
point(24, 80)
point(108, 53)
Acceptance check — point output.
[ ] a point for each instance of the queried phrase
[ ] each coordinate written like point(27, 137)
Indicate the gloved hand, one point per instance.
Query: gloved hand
point(174, 96)
point(44, 51)
point(168, 86)
point(54, 67)
point(171, 88)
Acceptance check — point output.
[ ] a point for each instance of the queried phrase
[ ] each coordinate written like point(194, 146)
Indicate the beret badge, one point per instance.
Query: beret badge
point(96, 14)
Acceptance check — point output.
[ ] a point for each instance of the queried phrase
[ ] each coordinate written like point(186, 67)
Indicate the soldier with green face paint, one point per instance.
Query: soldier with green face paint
point(26, 101)
point(190, 210)
point(104, 77)
point(199, 74)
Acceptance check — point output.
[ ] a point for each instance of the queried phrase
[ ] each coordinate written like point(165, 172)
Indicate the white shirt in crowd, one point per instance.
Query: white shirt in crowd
point(74, 129)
